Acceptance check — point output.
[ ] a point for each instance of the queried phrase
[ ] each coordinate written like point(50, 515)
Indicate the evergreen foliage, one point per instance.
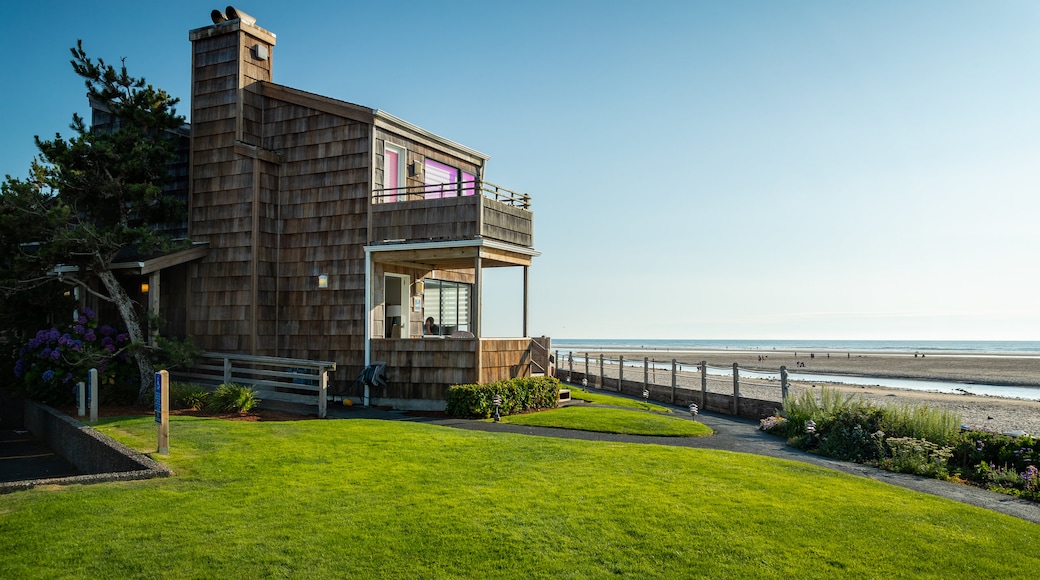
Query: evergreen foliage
point(88, 197)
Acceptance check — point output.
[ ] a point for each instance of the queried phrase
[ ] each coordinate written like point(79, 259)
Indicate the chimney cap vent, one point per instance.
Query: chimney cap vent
point(235, 14)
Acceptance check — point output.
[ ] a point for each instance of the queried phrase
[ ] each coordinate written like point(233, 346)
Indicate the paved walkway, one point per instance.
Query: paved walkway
point(24, 458)
point(739, 435)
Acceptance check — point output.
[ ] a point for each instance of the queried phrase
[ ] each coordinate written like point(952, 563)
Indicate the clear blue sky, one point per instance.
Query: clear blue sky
point(843, 170)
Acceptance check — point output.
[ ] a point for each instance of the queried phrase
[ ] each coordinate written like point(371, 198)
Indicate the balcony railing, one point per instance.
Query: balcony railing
point(457, 189)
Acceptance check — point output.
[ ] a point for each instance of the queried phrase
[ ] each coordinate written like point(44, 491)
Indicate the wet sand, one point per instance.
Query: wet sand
point(995, 413)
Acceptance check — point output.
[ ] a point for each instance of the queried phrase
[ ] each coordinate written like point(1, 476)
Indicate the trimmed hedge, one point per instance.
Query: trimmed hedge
point(518, 395)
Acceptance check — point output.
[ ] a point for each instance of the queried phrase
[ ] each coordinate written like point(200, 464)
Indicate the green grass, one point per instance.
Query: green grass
point(611, 420)
point(604, 398)
point(370, 499)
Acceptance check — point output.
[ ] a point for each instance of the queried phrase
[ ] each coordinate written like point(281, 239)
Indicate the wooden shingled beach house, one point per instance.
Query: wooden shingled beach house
point(333, 231)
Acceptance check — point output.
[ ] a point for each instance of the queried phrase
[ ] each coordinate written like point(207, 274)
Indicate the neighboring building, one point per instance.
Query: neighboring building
point(335, 230)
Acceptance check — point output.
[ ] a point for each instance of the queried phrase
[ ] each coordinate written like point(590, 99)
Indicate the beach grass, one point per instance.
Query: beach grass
point(611, 420)
point(364, 499)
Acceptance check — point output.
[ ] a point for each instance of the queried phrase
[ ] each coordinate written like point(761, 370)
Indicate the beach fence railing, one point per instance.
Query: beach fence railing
point(679, 384)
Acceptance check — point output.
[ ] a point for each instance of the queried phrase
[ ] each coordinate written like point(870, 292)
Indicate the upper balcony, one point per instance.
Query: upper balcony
point(452, 211)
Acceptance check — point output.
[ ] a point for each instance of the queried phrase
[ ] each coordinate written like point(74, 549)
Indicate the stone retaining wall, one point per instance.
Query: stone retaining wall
point(98, 456)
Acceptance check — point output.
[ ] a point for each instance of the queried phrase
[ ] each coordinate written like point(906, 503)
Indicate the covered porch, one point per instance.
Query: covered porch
point(407, 284)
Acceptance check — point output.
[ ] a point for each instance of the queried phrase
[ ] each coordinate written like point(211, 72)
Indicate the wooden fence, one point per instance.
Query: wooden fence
point(593, 372)
point(287, 380)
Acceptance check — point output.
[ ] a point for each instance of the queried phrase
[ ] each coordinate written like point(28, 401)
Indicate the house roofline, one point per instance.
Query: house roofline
point(399, 122)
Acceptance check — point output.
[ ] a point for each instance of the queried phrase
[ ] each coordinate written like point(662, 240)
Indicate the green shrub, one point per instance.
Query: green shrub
point(232, 399)
point(518, 395)
point(917, 456)
point(188, 396)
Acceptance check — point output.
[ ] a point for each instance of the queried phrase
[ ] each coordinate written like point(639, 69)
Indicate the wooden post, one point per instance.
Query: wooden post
point(153, 304)
point(323, 392)
point(736, 390)
point(586, 368)
point(646, 373)
point(783, 383)
point(601, 371)
point(704, 383)
point(620, 371)
point(557, 366)
point(673, 381)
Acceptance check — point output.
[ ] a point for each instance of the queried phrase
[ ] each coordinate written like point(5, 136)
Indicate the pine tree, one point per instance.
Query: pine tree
point(90, 196)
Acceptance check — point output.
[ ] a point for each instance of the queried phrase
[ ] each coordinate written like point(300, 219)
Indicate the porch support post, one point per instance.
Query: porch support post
point(153, 303)
point(478, 309)
point(526, 297)
point(368, 308)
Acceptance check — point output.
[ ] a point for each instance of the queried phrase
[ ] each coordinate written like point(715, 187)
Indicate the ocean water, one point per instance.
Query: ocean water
point(1009, 347)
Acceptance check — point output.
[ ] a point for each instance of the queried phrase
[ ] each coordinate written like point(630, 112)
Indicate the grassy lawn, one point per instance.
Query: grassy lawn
point(606, 398)
point(365, 499)
point(610, 420)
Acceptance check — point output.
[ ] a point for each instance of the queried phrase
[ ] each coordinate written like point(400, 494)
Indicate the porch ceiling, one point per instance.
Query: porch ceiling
point(452, 256)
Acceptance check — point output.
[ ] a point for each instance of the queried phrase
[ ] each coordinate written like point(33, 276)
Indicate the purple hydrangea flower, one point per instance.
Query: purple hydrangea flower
point(19, 368)
point(122, 337)
point(110, 347)
point(82, 319)
point(56, 354)
point(89, 312)
point(90, 336)
point(48, 375)
point(107, 341)
point(79, 329)
point(53, 334)
point(107, 330)
point(45, 353)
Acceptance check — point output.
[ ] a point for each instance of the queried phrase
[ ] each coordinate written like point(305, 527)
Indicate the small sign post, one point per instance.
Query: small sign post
point(81, 398)
point(162, 410)
point(92, 394)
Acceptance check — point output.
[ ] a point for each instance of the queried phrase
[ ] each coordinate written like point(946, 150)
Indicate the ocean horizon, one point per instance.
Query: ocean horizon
point(981, 347)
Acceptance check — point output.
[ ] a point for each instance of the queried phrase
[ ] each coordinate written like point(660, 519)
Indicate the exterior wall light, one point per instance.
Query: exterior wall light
point(418, 287)
point(144, 287)
point(323, 281)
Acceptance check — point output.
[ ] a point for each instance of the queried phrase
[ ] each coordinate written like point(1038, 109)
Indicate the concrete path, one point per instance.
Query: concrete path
point(738, 435)
point(24, 458)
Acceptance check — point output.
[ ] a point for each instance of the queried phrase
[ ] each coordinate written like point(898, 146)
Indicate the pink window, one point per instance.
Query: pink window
point(391, 173)
point(469, 182)
point(441, 180)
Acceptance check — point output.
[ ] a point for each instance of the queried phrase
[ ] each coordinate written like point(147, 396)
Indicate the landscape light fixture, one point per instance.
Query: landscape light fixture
point(144, 287)
point(323, 281)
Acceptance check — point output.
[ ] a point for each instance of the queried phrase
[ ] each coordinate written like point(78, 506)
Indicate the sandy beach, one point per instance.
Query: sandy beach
point(995, 413)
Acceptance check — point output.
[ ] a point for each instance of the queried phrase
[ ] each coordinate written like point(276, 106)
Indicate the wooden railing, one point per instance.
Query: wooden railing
point(275, 379)
point(457, 189)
